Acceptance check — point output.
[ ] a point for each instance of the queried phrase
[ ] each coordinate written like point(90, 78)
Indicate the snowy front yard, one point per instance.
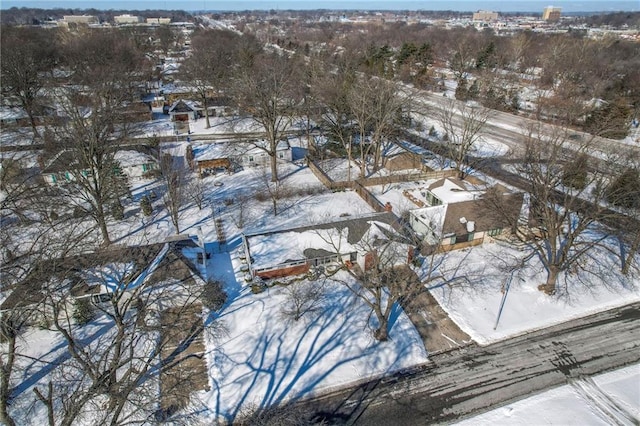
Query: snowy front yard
point(475, 303)
point(266, 358)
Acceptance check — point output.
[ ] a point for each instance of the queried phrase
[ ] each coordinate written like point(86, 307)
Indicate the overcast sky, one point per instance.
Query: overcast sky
point(459, 5)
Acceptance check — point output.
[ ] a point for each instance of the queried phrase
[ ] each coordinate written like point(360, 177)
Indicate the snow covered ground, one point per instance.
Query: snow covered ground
point(605, 399)
point(263, 359)
point(266, 358)
point(480, 295)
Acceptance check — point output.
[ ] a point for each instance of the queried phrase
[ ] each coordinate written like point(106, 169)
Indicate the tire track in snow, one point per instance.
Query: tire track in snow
point(603, 404)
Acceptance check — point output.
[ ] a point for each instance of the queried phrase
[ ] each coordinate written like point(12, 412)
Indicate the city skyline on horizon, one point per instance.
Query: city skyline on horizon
point(567, 6)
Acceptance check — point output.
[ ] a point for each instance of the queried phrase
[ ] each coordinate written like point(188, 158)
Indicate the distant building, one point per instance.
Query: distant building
point(159, 21)
point(80, 19)
point(551, 14)
point(126, 19)
point(485, 15)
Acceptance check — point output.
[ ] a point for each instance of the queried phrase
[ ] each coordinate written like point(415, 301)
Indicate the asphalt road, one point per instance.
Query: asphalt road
point(508, 128)
point(473, 379)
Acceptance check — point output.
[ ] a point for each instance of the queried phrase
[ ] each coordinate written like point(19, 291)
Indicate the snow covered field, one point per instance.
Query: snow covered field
point(605, 399)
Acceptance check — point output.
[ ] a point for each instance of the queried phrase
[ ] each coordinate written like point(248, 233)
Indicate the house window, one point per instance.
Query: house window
point(251, 158)
point(281, 155)
point(101, 298)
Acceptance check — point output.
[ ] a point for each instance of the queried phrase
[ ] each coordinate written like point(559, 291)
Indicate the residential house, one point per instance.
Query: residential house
point(133, 163)
point(134, 112)
point(456, 213)
point(13, 116)
point(210, 158)
point(184, 110)
point(98, 276)
point(349, 242)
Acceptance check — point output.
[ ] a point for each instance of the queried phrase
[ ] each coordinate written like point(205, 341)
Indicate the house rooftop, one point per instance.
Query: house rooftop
point(286, 245)
point(65, 160)
point(231, 148)
point(100, 272)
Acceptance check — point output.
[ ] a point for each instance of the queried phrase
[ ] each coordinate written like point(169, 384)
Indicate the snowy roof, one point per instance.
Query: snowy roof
point(451, 190)
point(182, 105)
point(274, 248)
point(66, 160)
point(105, 271)
point(131, 158)
point(483, 215)
point(11, 113)
point(230, 149)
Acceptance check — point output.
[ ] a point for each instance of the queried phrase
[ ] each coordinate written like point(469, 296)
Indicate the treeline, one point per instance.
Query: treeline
point(588, 82)
point(616, 20)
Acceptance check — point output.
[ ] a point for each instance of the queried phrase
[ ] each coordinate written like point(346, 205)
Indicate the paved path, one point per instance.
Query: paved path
point(473, 379)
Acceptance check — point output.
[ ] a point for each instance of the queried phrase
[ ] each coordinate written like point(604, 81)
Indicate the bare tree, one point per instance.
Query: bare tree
point(623, 192)
point(106, 69)
point(112, 371)
point(167, 38)
point(302, 298)
point(385, 278)
point(19, 189)
point(463, 125)
point(196, 190)
point(210, 64)
point(11, 325)
point(332, 89)
point(274, 190)
point(558, 211)
point(22, 259)
point(267, 88)
point(242, 204)
point(376, 108)
point(29, 56)
point(94, 172)
point(174, 178)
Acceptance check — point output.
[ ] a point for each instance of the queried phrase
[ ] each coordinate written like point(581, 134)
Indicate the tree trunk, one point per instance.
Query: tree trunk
point(34, 127)
point(206, 112)
point(552, 277)
point(274, 165)
point(628, 261)
point(349, 159)
point(28, 106)
point(47, 401)
point(5, 390)
point(102, 223)
point(363, 164)
point(382, 333)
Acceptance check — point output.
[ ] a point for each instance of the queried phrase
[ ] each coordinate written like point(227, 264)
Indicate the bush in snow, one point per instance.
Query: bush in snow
point(213, 296)
point(302, 298)
point(79, 212)
point(83, 311)
point(117, 210)
point(145, 206)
